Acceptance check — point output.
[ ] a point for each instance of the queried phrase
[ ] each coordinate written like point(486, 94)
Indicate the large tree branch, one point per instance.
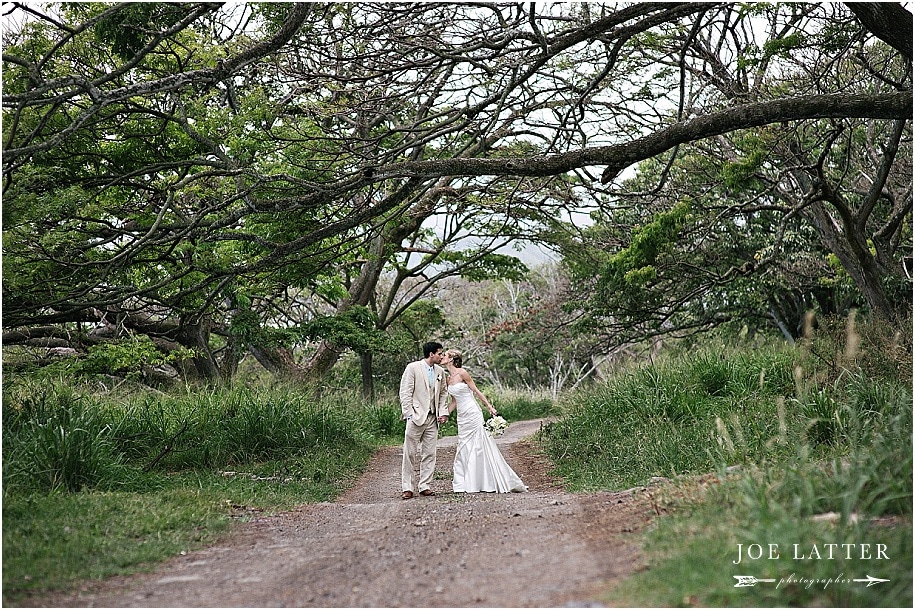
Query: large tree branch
point(619, 156)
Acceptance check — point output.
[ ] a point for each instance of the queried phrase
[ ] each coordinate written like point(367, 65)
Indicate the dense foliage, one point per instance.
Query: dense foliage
point(290, 182)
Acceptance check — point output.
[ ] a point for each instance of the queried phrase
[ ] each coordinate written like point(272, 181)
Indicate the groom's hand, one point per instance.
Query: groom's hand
point(442, 419)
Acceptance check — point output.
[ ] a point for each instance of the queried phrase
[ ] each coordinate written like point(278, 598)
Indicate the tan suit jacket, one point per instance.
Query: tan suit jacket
point(417, 398)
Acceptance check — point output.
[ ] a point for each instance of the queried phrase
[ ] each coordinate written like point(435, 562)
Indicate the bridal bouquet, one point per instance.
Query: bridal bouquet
point(496, 425)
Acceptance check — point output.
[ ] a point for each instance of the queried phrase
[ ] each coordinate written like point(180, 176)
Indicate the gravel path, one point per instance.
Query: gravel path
point(544, 548)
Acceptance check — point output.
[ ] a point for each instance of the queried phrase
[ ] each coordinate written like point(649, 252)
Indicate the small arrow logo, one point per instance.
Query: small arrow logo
point(750, 581)
point(870, 580)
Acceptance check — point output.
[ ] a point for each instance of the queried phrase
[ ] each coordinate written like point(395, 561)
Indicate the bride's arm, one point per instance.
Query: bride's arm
point(473, 387)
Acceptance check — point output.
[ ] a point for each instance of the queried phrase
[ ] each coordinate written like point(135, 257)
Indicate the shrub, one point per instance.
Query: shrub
point(58, 440)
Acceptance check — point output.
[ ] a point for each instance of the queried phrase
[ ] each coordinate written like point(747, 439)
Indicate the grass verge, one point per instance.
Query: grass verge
point(809, 450)
point(697, 551)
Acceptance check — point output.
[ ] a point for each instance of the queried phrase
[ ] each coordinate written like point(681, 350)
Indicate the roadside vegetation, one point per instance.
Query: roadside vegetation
point(101, 484)
point(806, 445)
point(759, 444)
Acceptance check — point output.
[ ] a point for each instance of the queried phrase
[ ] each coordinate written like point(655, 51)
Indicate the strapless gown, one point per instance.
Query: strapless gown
point(478, 463)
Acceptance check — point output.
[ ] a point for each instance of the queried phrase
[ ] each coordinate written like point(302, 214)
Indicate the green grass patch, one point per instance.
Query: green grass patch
point(667, 419)
point(823, 448)
point(692, 562)
point(778, 523)
point(50, 541)
point(95, 487)
point(861, 498)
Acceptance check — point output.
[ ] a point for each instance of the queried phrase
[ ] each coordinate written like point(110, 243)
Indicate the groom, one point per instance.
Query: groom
point(424, 404)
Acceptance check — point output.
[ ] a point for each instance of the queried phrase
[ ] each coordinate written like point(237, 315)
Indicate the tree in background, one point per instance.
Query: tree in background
point(519, 334)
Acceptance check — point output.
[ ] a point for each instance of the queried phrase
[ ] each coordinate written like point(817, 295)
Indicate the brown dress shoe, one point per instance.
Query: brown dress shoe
point(407, 495)
point(427, 492)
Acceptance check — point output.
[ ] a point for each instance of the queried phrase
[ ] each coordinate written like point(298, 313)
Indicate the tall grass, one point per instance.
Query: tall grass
point(671, 418)
point(862, 496)
point(822, 435)
point(220, 428)
point(55, 440)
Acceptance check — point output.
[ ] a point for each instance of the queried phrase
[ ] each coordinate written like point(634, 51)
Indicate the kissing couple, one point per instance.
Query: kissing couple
point(425, 390)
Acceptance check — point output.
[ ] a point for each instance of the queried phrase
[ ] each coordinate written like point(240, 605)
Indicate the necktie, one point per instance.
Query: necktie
point(431, 373)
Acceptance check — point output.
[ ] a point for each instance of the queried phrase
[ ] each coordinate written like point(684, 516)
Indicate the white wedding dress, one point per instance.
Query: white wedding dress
point(478, 463)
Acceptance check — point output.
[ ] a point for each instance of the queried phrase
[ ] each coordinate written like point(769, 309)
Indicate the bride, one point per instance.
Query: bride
point(478, 463)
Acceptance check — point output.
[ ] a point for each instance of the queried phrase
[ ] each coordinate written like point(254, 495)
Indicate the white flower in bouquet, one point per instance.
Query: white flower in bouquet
point(496, 425)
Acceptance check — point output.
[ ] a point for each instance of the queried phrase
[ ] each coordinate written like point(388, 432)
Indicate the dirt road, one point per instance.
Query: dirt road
point(544, 548)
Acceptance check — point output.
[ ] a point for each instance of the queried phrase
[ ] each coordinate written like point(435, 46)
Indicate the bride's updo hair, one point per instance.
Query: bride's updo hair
point(455, 356)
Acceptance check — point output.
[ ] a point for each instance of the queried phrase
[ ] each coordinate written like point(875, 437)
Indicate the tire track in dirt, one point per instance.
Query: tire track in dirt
point(544, 548)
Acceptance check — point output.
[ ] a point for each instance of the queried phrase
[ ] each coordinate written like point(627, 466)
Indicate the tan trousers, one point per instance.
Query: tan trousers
point(419, 439)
